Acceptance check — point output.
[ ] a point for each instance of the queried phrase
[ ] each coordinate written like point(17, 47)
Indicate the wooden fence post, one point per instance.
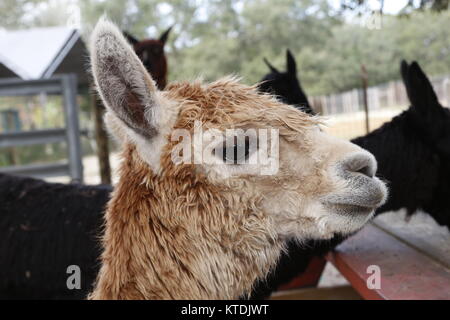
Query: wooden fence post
point(101, 138)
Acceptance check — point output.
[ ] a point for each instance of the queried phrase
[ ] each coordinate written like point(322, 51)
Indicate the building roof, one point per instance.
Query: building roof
point(42, 52)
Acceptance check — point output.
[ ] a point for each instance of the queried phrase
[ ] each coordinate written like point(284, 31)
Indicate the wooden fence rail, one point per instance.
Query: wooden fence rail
point(388, 95)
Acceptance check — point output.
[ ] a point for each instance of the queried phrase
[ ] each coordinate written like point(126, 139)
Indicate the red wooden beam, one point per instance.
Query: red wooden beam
point(406, 273)
point(309, 278)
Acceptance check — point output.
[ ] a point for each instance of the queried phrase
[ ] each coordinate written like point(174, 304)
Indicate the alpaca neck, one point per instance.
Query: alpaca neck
point(165, 242)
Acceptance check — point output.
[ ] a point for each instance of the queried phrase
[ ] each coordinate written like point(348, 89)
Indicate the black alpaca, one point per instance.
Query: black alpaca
point(45, 228)
point(285, 85)
point(413, 154)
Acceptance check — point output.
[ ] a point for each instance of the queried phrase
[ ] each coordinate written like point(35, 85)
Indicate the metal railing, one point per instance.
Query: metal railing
point(65, 85)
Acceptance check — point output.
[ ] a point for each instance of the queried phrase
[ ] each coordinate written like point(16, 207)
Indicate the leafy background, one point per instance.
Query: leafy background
point(212, 38)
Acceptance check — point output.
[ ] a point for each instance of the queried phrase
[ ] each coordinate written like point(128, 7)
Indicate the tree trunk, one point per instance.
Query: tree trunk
point(101, 138)
point(364, 79)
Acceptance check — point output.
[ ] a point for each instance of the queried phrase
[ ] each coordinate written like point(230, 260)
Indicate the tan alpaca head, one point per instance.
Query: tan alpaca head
point(323, 185)
point(314, 186)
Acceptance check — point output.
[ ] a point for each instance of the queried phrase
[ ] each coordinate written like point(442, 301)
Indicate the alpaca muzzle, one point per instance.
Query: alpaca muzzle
point(364, 192)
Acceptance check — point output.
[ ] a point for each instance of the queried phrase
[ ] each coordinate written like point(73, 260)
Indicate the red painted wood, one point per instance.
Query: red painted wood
point(406, 274)
point(309, 278)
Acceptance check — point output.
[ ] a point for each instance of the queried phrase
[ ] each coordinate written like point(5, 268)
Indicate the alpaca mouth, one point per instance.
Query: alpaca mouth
point(365, 196)
point(346, 209)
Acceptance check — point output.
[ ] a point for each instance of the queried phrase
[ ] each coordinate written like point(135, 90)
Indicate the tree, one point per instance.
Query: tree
point(16, 14)
point(423, 36)
point(213, 38)
point(363, 6)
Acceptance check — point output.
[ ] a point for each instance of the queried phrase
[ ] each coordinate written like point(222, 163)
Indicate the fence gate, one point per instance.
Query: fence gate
point(65, 85)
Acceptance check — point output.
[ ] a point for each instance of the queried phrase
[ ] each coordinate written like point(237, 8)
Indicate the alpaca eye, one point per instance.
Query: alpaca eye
point(236, 153)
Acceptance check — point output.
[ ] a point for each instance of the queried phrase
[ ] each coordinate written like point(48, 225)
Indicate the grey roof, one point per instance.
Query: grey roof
point(41, 52)
point(5, 72)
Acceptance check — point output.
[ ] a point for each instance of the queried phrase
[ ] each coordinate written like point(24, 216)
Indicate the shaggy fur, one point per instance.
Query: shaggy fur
point(75, 203)
point(151, 53)
point(208, 231)
point(207, 218)
point(413, 157)
point(45, 227)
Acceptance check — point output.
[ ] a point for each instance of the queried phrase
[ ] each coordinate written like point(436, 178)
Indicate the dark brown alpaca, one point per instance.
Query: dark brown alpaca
point(151, 53)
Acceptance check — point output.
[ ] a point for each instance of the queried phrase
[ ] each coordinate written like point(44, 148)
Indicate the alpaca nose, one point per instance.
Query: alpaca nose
point(360, 163)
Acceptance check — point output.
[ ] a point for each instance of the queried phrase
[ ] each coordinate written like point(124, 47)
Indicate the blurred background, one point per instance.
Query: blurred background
point(345, 50)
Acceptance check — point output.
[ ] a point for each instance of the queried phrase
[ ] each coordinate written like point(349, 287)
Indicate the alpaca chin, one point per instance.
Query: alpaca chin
point(350, 211)
point(346, 219)
point(336, 219)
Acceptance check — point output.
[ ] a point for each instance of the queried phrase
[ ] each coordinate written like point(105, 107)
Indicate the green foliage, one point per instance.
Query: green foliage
point(20, 14)
point(213, 38)
point(420, 36)
point(362, 6)
point(236, 38)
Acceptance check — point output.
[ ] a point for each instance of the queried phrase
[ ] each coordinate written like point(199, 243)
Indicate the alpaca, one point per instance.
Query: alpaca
point(45, 228)
point(151, 53)
point(286, 85)
point(425, 128)
point(209, 229)
point(413, 154)
point(69, 202)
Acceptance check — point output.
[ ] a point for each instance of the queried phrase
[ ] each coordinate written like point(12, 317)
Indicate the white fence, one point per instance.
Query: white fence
point(388, 95)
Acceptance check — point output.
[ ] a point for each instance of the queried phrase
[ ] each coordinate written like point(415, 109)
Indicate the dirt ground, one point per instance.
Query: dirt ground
point(352, 125)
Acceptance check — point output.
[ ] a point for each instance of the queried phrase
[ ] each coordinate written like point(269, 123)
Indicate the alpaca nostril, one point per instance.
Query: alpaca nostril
point(363, 163)
point(366, 170)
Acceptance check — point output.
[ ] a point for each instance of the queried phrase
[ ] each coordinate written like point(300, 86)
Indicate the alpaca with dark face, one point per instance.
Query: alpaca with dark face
point(285, 85)
point(413, 156)
point(151, 53)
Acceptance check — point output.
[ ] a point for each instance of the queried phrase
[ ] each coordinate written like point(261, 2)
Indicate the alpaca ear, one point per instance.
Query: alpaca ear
point(124, 85)
point(131, 39)
point(290, 62)
point(419, 88)
point(404, 72)
point(271, 67)
point(163, 38)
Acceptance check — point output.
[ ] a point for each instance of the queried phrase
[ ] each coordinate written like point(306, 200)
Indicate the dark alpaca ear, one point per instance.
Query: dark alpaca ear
point(271, 67)
point(419, 89)
point(163, 38)
point(131, 39)
point(404, 72)
point(290, 62)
